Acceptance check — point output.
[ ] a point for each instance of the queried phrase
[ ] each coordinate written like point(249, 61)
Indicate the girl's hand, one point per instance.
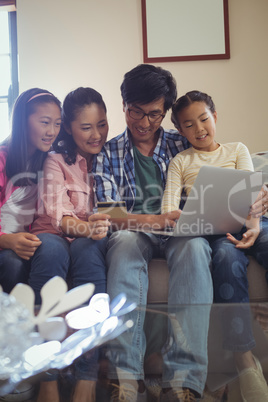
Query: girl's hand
point(247, 240)
point(23, 244)
point(99, 225)
point(260, 206)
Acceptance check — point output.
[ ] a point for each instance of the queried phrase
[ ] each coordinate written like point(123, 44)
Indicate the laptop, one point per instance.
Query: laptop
point(218, 203)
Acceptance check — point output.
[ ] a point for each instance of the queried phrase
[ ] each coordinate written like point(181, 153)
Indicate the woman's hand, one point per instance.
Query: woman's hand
point(248, 239)
point(260, 206)
point(98, 225)
point(23, 244)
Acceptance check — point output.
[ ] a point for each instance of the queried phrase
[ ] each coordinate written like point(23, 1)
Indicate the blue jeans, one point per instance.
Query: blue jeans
point(88, 263)
point(229, 273)
point(13, 270)
point(190, 282)
point(260, 247)
point(85, 260)
point(51, 259)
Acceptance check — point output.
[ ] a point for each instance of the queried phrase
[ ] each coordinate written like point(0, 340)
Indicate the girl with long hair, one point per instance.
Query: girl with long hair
point(36, 123)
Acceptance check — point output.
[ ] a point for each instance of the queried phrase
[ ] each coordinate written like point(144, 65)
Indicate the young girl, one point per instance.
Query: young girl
point(35, 125)
point(73, 238)
point(195, 117)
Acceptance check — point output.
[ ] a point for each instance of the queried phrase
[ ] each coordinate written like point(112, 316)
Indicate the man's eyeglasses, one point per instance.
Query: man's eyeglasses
point(153, 117)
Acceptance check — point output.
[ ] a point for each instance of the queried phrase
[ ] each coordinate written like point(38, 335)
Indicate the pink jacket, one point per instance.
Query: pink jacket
point(64, 190)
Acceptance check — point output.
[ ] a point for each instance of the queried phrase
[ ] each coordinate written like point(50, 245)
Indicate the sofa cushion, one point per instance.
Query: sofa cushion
point(260, 162)
point(158, 281)
point(159, 276)
point(258, 289)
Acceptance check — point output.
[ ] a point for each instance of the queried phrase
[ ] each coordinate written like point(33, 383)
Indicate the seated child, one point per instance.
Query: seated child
point(195, 116)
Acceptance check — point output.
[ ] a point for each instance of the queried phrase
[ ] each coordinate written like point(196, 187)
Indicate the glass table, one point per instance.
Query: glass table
point(217, 324)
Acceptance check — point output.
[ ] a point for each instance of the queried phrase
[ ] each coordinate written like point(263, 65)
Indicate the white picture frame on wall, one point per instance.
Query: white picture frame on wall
point(185, 30)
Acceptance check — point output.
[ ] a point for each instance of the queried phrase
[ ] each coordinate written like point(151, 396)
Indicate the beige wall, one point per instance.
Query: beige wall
point(64, 44)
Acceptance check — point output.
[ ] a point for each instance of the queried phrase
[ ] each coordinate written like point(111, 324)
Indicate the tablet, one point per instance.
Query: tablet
point(218, 203)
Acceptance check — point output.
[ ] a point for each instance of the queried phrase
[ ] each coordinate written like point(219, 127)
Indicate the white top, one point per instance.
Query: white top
point(18, 211)
point(184, 168)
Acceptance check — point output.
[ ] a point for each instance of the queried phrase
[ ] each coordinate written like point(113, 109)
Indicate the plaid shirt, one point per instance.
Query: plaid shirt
point(114, 166)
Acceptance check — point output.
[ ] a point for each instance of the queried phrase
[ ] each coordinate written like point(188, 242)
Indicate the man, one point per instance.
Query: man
point(132, 167)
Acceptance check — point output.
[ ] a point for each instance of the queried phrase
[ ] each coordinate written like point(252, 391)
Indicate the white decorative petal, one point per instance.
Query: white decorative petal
point(51, 293)
point(85, 317)
point(73, 298)
point(53, 328)
point(101, 303)
point(25, 295)
point(37, 354)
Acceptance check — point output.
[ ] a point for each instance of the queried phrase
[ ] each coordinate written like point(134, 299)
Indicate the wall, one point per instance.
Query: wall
point(64, 44)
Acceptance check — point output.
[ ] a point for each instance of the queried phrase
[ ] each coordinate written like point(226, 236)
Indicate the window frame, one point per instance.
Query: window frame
point(13, 43)
point(13, 90)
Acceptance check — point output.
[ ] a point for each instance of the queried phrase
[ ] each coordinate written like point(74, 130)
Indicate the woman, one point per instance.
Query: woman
point(73, 238)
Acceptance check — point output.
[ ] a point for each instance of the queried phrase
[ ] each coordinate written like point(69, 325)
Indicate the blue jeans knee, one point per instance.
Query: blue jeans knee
point(88, 263)
point(52, 258)
point(13, 270)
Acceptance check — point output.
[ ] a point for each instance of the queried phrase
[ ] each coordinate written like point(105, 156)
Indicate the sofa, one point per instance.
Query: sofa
point(258, 289)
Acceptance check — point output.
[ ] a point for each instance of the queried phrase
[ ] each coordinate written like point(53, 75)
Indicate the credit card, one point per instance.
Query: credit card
point(116, 209)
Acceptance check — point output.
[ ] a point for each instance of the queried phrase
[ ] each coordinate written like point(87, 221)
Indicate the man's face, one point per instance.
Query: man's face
point(144, 129)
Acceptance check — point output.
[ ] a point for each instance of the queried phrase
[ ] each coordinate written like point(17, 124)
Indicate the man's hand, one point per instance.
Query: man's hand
point(146, 221)
point(23, 244)
point(260, 206)
point(99, 225)
point(163, 221)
